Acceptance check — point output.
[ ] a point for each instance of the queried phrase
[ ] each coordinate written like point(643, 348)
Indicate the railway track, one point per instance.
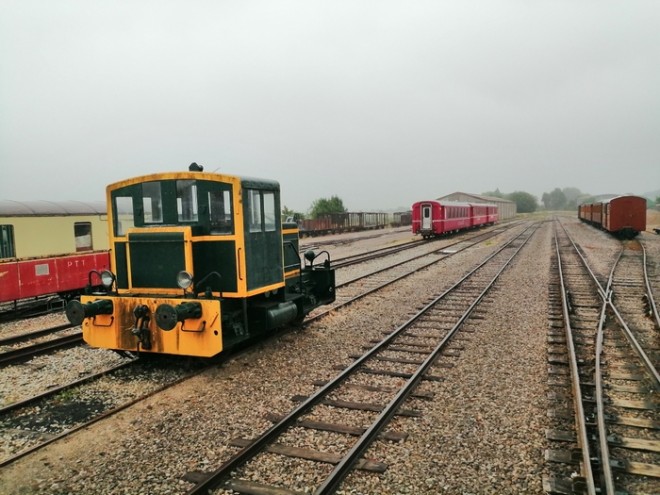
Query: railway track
point(603, 372)
point(34, 423)
point(406, 356)
point(15, 356)
point(25, 353)
point(346, 261)
point(338, 241)
point(30, 308)
point(361, 286)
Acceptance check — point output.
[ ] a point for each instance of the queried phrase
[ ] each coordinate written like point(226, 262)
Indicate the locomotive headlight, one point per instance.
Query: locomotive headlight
point(184, 279)
point(107, 279)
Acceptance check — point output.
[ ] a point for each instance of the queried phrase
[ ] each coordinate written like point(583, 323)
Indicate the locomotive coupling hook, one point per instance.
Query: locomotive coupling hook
point(141, 326)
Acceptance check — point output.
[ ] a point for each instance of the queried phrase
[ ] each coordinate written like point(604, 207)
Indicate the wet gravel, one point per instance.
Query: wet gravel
point(482, 433)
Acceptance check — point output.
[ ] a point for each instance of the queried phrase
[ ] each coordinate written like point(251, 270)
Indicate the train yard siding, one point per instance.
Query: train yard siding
point(483, 432)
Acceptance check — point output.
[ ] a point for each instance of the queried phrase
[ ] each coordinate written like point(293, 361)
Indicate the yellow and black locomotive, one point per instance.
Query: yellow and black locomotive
point(200, 262)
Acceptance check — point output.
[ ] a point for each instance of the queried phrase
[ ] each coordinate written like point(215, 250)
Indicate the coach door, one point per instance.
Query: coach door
point(426, 217)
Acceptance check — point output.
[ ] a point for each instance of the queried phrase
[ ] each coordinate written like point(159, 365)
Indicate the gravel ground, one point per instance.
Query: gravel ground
point(484, 431)
point(44, 372)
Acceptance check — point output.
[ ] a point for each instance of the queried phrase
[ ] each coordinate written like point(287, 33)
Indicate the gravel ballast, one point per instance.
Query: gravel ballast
point(483, 432)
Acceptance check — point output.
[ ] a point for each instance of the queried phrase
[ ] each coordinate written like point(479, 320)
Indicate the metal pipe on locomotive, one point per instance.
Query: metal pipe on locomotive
point(199, 263)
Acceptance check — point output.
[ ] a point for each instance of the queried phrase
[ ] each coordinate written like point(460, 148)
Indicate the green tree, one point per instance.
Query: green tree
point(525, 202)
point(556, 200)
point(573, 194)
point(324, 206)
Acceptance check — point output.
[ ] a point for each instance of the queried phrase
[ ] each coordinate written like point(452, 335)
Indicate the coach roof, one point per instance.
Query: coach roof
point(9, 208)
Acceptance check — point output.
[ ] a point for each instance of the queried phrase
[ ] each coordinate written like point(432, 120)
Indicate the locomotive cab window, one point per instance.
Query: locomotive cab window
point(152, 202)
point(83, 236)
point(123, 213)
point(261, 211)
point(186, 201)
point(269, 211)
point(220, 217)
point(7, 247)
point(254, 210)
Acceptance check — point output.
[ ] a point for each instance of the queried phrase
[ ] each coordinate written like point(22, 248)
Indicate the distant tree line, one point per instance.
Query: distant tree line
point(525, 202)
point(320, 207)
point(567, 198)
point(564, 199)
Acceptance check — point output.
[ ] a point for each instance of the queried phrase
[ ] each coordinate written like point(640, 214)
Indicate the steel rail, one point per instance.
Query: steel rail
point(54, 391)
point(488, 235)
point(582, 436)
point(607, 297)
point(33, 335)
point(341, 470)
point(649, 290)
point(25, 353)
point(376, 253)
point(96, 419)
point(607, 475)
point(635, 345)
point(250, 451)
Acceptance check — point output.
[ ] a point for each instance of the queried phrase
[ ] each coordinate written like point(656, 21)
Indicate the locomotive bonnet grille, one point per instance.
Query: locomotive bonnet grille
point(156, 258)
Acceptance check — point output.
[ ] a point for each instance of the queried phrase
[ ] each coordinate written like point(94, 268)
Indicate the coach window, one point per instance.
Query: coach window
point(152, 202)
point(186, 200)
point(83, 234)
point(124, 217)
point(220, 212)
point(7, 248)
point(254, 210)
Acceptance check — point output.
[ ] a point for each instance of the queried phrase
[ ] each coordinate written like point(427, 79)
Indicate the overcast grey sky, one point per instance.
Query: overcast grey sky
point(379, 102)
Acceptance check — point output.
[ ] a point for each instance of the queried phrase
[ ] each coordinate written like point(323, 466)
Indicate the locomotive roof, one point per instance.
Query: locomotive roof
point(9, 208)
point(249, 182)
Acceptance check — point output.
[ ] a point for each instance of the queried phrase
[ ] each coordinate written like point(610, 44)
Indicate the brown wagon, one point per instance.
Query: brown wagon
point(624, 215)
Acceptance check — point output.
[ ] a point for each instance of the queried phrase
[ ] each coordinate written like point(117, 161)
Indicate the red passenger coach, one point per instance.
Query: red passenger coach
point(23, 279)
point(432, 218)
point(483, 214)
point(50, 247)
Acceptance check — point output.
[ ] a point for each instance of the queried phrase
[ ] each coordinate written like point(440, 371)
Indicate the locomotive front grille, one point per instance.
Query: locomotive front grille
point(156, 258)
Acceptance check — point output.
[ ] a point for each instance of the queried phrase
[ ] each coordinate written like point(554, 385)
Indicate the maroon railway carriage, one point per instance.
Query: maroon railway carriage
point(597, 213)
point(624, 216)
point(432, 218)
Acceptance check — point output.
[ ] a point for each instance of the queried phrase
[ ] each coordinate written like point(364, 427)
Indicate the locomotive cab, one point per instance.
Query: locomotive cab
point(200, 262)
